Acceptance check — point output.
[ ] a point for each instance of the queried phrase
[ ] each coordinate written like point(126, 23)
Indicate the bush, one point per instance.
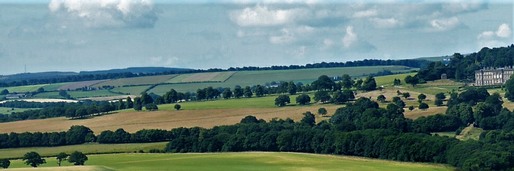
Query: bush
point(322, 111)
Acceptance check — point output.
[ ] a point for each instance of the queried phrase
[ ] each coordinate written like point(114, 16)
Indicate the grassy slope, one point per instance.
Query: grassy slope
point(243, 161)
point(133, 90)
point(93, 148)
point(136, 81)
point(22, 89)
point(247, 78)
point(8, 110)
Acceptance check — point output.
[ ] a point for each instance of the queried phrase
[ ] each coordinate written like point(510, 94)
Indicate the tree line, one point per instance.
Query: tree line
point(414, 63)
point(463, 67)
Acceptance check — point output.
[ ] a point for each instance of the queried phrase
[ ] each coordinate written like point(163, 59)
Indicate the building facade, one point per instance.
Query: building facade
point(493, 76)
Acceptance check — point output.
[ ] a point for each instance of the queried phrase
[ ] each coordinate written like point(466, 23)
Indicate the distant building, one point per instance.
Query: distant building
point(493, 76)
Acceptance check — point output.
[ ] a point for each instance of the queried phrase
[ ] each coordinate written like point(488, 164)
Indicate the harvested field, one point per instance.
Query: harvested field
point(202, 77)
point(133, 121)
point(77, 85)
point(416, 113)
point(147, 80)
point(45, 100)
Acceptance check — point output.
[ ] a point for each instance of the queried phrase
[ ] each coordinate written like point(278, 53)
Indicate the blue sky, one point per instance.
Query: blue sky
point(75, 35)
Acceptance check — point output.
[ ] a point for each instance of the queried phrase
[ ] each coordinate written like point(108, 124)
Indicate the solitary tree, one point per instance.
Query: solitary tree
point(397, 82)
point(282, 100)
point(303, 99)
point(422, 97)
point(322, 111)
point(60, 157)
point(381, 98)
point(323, 83)
point(440, 96)
point(5, 163)
point(406, 95)
point(77, 158)
point(423, 106)
point(177, 106)
point(33, 159)
point(411, 108)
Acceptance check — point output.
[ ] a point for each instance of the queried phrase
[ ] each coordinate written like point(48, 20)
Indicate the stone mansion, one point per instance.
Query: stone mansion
point(492, 76)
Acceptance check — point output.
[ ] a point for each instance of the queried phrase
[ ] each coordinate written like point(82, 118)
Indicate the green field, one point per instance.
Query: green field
point(54, 87)
point(8, 110)
point(23, 89)
point(133, 90)
point(248, 78)
point(95, 93)
point(387, 81)
point(202, 77)
point(48, 95)
point(240, 161)
point(258, 102)
point(92, 148)
point(147, 80)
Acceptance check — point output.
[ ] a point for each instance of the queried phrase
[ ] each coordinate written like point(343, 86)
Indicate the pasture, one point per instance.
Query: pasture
point(237, 161)
point(81, 84)
point(23, 89)
point(133, 90)
point(249, 78)
point(89, 148)
point(202, 77)
point(8, 110)
point(147, 80)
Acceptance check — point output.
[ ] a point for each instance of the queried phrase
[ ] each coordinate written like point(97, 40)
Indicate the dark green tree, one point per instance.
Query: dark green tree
point(346, 81)
point(381, 98)
point(406, 95)
point(291, 88)
point(248, 92)
point(323, 83)
point(5, 163)
point(423, 106)
point(411, 108)
point(322, 111)
point(77, 158)
point(321, 96)
point(33, 159)
point(422, 97)
point(282, 100)
point(4, 92)
point(259, 91)
point(238, 92)
point(438, 102)
point(177, 106)
point(77, 134)
point(308, 119)
point(303, 99)
point(412, 80)
point(358, 84)
point(397, 82)
point(130, 103)
point(60, 157)
point(227, 94)
point(151, 107)
point(509, 89)
point(369, 84)
point(146, 99)
point(440, 96)
point(138, 105)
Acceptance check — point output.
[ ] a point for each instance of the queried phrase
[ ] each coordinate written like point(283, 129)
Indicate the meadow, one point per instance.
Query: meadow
point(147, 80)
point(8, 110)
point(238, 161)
point(249, 78)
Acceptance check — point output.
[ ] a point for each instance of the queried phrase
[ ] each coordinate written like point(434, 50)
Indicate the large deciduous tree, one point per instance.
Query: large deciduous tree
point(282, 100)
point(33, 159)
point(77, 158)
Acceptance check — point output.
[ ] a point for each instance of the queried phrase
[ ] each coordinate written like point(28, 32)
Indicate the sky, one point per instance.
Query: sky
point(80, 35)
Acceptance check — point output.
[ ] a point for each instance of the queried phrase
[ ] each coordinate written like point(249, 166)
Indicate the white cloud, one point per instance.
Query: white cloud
point(503, 31)
point(328, 42)
point(365, 13)
point(106, 13)
point(444, 24)
point(350, 37)
point(500, 37)
point(263, 16)
point(163, 61)
point(461, 6)
point(385, 22)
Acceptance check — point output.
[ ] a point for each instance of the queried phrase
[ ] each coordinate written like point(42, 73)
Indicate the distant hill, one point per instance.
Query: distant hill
point(434, 59)
point(38, 75)
point(136, 70)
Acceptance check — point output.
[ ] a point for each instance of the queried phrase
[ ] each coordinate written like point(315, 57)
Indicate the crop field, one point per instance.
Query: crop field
point(249, 78)
point(238, 161)
point(90, 148)
point(95, 93)
point(148, 80)
point(81, 84)
point(202, 77)
point(133, 121)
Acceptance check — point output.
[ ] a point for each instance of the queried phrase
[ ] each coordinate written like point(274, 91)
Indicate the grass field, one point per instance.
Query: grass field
point(95, 93)
point(54, 87)
point(148, 80)
point(92, 148)
point(241, 161)
point(133, 90)
point(8, 110)
point(387, 81)
point(23, 89)
point(248, 78)
point(202, 77)
point(48, 95)
point(81, 84)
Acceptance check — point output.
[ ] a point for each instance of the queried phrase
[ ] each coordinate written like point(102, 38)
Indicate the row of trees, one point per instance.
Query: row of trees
point(33, 159)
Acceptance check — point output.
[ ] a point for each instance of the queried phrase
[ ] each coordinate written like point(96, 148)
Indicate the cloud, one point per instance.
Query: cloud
point(286, 37)
point(365, 13)
point(263, 16)
point(500, 37)
point(461, 6)
point(386, 22)
point(106, 13)
point(445, 24)
point(163, 61)
point(503, 31)
point(350, 37)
